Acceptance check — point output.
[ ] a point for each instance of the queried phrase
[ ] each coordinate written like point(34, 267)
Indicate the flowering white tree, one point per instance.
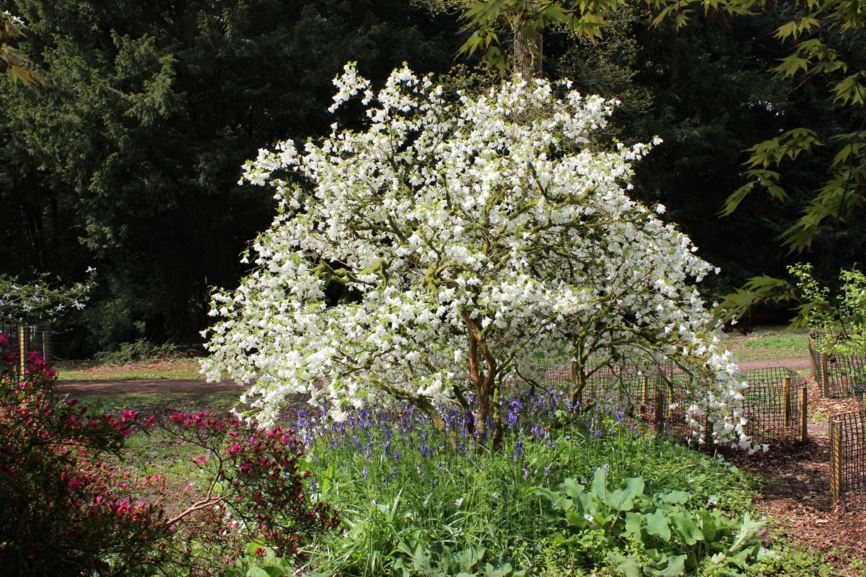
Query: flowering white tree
point(469, 234)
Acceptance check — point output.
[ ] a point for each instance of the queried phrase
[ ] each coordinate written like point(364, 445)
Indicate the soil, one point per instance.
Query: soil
point(795, 492)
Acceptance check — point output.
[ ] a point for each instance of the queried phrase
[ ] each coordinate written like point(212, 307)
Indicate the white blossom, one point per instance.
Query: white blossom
point(489, 217)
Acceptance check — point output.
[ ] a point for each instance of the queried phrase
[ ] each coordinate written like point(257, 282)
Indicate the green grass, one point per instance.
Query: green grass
point(768, 343)
point(149, 402)
point(169, 370)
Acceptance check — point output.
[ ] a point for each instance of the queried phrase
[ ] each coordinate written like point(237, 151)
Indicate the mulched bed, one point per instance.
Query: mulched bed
point(796, 491)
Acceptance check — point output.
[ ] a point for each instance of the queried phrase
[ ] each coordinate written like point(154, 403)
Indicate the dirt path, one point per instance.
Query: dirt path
point(795, 364)
point(139, 386)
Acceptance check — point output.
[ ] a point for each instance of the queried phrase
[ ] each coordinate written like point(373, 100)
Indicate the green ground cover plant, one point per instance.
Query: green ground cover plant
point(418, 502)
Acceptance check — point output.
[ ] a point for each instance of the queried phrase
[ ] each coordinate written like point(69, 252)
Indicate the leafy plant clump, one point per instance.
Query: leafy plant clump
point(416, 501)
point(654, 535)
point(140, 350)
point(839, 318)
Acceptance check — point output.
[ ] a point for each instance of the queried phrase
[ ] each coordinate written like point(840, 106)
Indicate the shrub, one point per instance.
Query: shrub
point(67, 509)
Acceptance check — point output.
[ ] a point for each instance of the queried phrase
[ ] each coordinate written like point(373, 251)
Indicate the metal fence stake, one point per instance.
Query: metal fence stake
point(804, 414)
point(786, 401)
point(22, 351)
point(836, 461)
point(825, 382)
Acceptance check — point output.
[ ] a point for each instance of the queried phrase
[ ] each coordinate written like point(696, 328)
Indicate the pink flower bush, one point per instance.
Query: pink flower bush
point(67, 509)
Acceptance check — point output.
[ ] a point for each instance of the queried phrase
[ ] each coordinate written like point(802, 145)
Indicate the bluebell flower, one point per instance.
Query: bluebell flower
point(518, 451)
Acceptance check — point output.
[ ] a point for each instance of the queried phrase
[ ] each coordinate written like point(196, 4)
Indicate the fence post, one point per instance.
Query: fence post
point(786, 401)
point(46, 345)
point(836, 461)
point(825, 382)
point(804, 414)
point(659, 411)
point(22, 350)
point(644, 390)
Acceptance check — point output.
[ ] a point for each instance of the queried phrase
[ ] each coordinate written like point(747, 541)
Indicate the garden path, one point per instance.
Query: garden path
point(149, 386)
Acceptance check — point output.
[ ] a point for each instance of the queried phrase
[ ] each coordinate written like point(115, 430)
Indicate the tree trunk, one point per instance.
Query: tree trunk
point(527, 55)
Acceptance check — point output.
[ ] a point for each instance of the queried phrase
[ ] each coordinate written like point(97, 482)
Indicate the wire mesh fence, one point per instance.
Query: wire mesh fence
point(24, 339)
point(838, 375)
point(847, 454)
point(775, 403)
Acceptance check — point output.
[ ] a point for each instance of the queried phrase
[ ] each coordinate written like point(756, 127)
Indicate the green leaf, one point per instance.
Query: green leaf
point(676, 567)
point(273, 570)
point(599, 484)
point(575, 518)
point(633, 524)
point(657, 525)
point(623, 499)
point(675, 497)
point(687, 527)
point(574, 489)
point(469, 557)
point(421, 559)
point(736, 197)
point(709, 525)
point(622, 565)
point(748, 532)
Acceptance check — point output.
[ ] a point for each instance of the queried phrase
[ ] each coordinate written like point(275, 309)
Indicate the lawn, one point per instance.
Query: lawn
point(769, 343)
point(173, 369)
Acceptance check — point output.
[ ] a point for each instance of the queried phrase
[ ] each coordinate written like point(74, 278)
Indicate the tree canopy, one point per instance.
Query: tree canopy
point(470, 234)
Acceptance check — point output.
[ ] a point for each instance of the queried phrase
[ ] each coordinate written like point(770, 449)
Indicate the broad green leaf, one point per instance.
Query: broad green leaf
point(273, 570)
point(622, 565)
point(676, 567)
point(623, 499)
point(748, 532)
point(675, 497)
point(709, 526)
point(657, 525)
point(573, 489)
point(599, 484)
point(687, 527)
point(633, 525)
point(421, 559)
point(470, 556)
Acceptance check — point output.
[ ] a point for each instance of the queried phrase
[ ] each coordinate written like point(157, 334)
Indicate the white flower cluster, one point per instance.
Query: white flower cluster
point(492, 216)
